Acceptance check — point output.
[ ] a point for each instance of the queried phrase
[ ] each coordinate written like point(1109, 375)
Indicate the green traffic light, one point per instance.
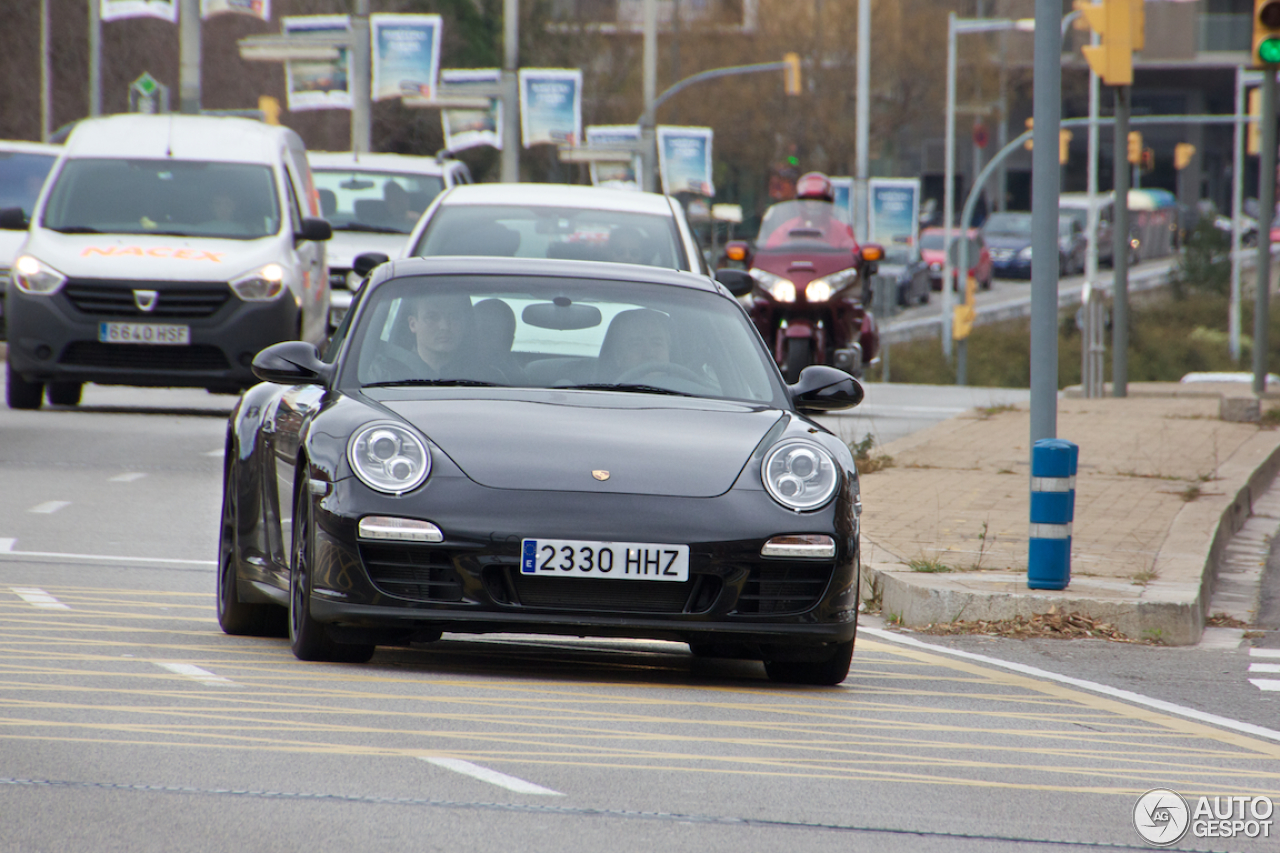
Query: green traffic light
point(1269, 50)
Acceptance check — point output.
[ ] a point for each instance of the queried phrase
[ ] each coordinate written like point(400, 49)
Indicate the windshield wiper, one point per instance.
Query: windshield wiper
point(76, 229)
point(471, 383)
point(372, 229)
point(611, 386)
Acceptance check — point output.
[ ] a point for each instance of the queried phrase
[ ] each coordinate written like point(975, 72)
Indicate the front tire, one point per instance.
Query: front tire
point(64, 393)
point(234, 616)
point(19, 392)
point(797, 358)
point(828, 672)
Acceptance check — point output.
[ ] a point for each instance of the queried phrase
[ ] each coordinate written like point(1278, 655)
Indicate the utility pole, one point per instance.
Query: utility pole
point(511, 142)
point(1045, 187)
point(1266, 53)
point(648, 132)
point(188, 56)
point(95, 59)
point(862, 123)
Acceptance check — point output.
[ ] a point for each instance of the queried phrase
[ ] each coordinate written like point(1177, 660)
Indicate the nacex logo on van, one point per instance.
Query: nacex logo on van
point(154, 252)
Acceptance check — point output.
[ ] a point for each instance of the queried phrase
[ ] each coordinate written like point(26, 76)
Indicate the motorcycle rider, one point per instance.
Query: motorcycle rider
point(817, 212)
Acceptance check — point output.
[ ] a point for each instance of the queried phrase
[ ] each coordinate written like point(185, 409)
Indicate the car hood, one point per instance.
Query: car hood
point(343, 247)
point(1006, 241)
point(143, 257)
point(648, 445)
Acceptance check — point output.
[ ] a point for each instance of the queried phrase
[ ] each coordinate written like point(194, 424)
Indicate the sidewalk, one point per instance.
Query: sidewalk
point(1163, 483)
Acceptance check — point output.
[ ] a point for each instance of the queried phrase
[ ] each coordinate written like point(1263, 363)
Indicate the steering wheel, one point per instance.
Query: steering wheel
point(649, 368)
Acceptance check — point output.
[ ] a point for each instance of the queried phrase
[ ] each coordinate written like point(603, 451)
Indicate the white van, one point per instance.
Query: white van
point(164, 250)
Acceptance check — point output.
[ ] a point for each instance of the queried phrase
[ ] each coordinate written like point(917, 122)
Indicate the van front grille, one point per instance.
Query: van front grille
point(113, 298)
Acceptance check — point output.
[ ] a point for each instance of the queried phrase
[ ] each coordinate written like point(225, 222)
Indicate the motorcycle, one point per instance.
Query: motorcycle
point(812, 286)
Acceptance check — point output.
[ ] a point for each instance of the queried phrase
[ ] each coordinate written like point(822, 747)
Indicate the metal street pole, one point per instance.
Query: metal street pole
point(1266, 213)
point(511, 142)
point(1120, 248)
point(862, 123)
point(1091, 177)
point(361, 106)
point(44, 71)
point(648, 133)
point(948, 179)
point(1045, 187)
point(189, 56)
point(95, 59)
point(1237, 205)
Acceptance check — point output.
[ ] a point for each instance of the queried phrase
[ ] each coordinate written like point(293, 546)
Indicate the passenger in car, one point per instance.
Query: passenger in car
point(627, 245)
point(635, 338)
point(495, 333)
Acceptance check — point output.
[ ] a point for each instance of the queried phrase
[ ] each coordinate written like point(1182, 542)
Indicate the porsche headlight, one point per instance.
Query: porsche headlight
point(800, 475)
point(388, 457)
point(779, 288)
point(33, 276)
point(261, 285)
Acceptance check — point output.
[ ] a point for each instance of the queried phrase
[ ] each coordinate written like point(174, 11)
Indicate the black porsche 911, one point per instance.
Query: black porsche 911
point(535, 446)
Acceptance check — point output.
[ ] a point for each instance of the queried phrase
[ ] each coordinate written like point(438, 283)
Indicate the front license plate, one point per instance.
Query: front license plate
point(635, 561)
point(144, 333)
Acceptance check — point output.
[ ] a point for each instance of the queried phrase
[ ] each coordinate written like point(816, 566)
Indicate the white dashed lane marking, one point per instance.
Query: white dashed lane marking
point(195, 673)
point(49, 506)
point(38, 598)
point(127, 478)
point(493, 777)
point(6, 545)
point(1269, 685)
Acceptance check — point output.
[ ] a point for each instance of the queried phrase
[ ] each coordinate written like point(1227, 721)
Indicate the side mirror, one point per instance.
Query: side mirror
point(822, 389)
point(13, 219)
point(315, 230)
point(292, 363)
point(739, 282)
point(367, 262)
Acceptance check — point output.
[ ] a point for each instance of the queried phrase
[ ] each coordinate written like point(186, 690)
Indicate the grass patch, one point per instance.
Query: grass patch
point(930, 566)
point(867, 461)
point(989, 412)
point(1168, 337)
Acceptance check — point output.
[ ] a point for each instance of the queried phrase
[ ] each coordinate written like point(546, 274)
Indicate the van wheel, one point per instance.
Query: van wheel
point(64, 393)
point(20, 393)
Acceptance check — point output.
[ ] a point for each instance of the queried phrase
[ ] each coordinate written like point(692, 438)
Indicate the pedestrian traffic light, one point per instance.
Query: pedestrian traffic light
point(791, 74)
point(1266, 32)
point(1112, 58)
point(1253, 138)
point(1135, 147)
point(1182, 154)
point(1029, 144)
point(1064, 145)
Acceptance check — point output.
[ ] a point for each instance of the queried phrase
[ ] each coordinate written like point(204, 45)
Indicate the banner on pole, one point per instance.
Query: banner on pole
point(684, 160)
point(406, 55)
point(550, 106)
point(895, 211)
point(323, 84)
point(616, 175)
point(115, 10)
point(472, 128)
point(253, 8)
point(843, 189)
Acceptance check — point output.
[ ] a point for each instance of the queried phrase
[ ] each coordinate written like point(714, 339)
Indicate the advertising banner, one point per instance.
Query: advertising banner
point(318, 84)
point(472, 128)
point(684, 160)
point(115, 10)
point(616, 175)
point(253, 8)
point(843, 188)
point(406, 55)
point(550, 106)
point(895, 211)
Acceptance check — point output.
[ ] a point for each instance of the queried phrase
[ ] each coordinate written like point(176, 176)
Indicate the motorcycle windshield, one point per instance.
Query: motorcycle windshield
point(805, 225)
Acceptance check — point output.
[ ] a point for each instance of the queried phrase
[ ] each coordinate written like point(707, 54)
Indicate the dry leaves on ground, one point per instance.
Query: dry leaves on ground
point(1067, 626)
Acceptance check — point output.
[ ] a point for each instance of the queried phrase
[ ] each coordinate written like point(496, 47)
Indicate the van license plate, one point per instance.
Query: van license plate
point(568, 558)
point(144, 333)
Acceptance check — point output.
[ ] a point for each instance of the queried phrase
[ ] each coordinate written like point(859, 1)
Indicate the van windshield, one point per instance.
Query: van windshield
point(182, 198)
point(385, 202)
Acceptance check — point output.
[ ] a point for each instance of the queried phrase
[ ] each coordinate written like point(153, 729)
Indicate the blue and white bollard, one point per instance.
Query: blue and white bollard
point(1053, 506)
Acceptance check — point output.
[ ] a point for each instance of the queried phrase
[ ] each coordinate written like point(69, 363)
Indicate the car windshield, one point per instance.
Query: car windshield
point(931, 240)
point(805, 225)
point(1072, 214)
point(1009, 224)
point(578, 234)
point(548, 332)
point(177, 197)
point(354, 200)
point(21, 176)
point(1066, 226)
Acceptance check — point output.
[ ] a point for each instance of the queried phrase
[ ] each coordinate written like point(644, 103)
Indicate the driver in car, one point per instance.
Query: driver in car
point(635, 338)
point(441, 324)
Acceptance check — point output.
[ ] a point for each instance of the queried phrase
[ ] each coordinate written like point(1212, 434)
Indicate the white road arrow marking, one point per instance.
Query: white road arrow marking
point(1268, 684)
point(493, 777)
point(49, 506)
point(38, 598)
point(194, 672)
point(127, 478)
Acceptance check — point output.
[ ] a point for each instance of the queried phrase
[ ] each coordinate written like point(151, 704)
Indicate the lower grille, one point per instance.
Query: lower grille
point(416, 573)
point(608, 595)
point(786, 588)
point(168, 359)
point(101, 298)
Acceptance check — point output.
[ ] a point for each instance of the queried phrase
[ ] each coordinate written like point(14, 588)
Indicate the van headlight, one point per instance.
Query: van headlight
point(31, 275)
point(389, 457)
point(261, 285)
point(800, 475)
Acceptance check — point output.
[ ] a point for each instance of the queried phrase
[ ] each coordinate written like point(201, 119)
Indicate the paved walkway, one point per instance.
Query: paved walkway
point(1163, 483)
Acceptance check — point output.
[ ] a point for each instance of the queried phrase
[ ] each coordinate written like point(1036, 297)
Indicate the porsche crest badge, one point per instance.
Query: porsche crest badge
point(600, 475)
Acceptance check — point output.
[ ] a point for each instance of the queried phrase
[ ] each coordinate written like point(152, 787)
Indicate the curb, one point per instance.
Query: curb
point(1172, 612)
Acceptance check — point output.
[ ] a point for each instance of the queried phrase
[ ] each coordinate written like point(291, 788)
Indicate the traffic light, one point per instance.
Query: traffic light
point(1148, 161)
point(270, 109)
point(1135, 147)
point(1266, 32)
point(1029, 143)
point(1182, 154)
point(1112, 58)
point(1253, 138)
point(1064, 145)
point(791, 74)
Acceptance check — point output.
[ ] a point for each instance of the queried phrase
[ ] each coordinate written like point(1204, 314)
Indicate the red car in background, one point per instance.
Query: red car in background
point(932, 250)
